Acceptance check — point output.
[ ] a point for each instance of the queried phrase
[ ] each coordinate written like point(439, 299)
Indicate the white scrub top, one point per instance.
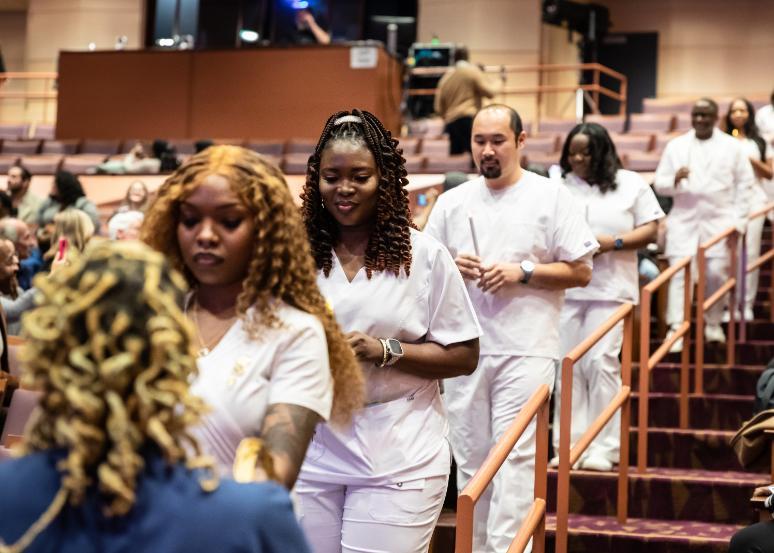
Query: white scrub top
point(399, 435)
point(715, 196)
point(763, 189)
point(242, 376)
point(616, 212)
point(535, 219)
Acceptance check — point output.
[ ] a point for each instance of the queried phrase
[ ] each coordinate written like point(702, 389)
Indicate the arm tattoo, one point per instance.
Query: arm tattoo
point(287, 431)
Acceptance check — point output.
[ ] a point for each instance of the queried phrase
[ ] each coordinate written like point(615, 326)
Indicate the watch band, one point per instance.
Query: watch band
point(385, 352)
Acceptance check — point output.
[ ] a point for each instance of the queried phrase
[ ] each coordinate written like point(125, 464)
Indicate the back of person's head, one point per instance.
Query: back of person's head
point(201, 145)
point(125, 225)
point(453, 179)
point(76, 227)
point(112, 352)
point(461, 53)
point(68, 188)
point(6, 205)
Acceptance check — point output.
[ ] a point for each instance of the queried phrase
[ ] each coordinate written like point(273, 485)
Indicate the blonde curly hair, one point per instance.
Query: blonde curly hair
point(281, 266)
point(112, 353)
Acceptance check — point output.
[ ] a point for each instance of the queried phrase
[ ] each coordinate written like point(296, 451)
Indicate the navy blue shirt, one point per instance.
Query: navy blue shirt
point(171, 514)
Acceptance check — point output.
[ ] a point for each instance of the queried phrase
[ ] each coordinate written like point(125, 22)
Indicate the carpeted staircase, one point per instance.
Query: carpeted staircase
point(694, 495)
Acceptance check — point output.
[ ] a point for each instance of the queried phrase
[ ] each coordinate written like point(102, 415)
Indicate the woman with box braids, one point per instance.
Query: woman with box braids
point(378, 484)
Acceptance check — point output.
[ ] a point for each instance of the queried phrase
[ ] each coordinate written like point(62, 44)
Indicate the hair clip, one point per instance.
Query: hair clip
point(347, 119)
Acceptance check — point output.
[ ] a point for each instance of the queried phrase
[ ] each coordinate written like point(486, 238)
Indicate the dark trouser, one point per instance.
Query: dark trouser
point(758, 538)
point(459, 132)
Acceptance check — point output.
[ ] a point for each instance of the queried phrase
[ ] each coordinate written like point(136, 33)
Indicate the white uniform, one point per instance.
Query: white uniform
point(615, 280)
point(762, 192)
point(535, 219)
point(714, 197)
point(764, 120)
point(379, 484)
point(242, 376)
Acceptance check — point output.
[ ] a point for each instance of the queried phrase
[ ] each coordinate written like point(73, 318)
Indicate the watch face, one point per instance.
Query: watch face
point(394, 346)
point(527, 265)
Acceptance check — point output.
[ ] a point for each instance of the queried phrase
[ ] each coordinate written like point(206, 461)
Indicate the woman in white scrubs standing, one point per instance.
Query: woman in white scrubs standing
point(740, 123)
point(622, 211)
point(272, 360)
point(378, 484)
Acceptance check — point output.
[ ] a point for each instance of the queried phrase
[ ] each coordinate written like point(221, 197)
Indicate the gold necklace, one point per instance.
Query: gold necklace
point(205, 348)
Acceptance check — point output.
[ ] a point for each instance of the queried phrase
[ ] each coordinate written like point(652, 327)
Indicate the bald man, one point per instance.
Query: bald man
point(26, 246)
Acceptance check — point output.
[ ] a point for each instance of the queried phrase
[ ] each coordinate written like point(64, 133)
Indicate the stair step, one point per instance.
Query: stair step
point(665, 377)
point(687, 449)
point(715, 412)
point(595, 534)
point(592, 534)
point(752, 352)
point(664, 493)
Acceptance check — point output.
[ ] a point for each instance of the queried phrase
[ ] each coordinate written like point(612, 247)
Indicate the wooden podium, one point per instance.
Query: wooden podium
point(266, 93)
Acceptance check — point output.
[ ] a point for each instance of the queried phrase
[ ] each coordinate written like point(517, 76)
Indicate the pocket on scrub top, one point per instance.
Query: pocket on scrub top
point(524, 240)
point(399, 503)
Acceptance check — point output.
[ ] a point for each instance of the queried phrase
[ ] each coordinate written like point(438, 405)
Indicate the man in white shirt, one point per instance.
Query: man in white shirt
point(519, 240)
point(709, 176)
point(764, 120)
point(26, 202)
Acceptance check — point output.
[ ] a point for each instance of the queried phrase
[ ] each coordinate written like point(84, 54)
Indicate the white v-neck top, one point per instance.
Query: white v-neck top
point(399, 436)
point(535, 219)
point(242, 376)
point(615, 212)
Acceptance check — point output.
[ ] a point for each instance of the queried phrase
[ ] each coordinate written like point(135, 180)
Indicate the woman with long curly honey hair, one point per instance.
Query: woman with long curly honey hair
point(111, 464)
point(379, 483)
point(272, 360)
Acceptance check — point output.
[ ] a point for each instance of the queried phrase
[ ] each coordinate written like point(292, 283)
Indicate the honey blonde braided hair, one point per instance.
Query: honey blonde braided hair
point(112, 354)
point(281, 266)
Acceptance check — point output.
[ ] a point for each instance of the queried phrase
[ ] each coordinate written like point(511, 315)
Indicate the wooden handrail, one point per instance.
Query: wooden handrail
point(648, 361)
point(622, 400)
point(29, 75)
point(750, 267)
point(703, 304)
point(15, 340)
point(537, 405)
point(503, 70)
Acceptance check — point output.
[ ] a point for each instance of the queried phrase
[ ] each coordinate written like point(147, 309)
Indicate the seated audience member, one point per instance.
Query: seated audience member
point(757, 538)
point(13, 303)
point(708, 175)
point(110, 464)
point(75, 227)
point(26, 203)
point(66, 192)
point(764, 120)
point(30, 259)
point(136, 199)
point(740, 123)
point(137, 161)
point(125, 225)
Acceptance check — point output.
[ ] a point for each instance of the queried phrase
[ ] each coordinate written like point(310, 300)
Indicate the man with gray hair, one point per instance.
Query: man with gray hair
point(125, 225)
point(30, 259)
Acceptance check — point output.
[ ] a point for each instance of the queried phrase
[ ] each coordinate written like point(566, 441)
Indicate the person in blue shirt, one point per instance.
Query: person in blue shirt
point(109, 462)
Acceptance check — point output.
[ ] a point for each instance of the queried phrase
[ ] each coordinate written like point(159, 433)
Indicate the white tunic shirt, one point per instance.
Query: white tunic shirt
point(764, 120)
point(763, 189)
point(399, 436)
point(241, 377)
point(535, 219)
point(715, 195)
point(615, 212)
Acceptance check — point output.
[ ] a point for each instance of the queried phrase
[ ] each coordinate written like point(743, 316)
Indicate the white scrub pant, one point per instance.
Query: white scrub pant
point(481, 407)
point(717, 274)
point(399, 518)
point(754, 236)
point(596, 377)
